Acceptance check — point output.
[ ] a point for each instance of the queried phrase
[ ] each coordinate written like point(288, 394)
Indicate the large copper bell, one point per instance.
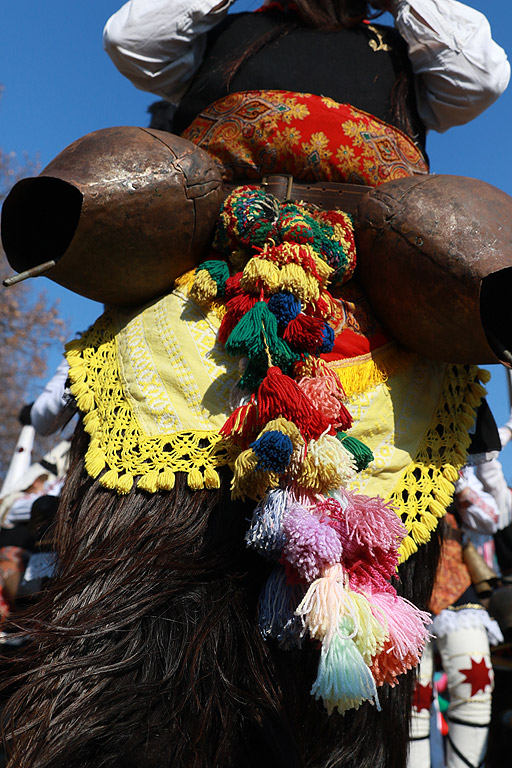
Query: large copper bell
point(122, 211)
point(435, 260)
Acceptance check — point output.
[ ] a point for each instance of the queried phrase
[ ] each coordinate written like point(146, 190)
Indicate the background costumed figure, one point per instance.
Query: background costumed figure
point(260, 387)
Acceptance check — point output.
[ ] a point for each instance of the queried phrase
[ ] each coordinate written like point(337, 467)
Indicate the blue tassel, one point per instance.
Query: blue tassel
point(285, 307)
point(327, 340)
point(265, 533)
point(278, 602)
point(343, 681)
point(274, 450)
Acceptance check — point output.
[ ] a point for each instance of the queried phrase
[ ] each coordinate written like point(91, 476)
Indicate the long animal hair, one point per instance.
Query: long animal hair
point(145, 649)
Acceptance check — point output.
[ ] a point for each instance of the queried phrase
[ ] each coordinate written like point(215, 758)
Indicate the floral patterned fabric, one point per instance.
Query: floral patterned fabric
point(312, 137)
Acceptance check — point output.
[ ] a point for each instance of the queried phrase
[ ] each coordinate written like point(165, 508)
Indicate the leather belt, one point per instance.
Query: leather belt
point(327, 195)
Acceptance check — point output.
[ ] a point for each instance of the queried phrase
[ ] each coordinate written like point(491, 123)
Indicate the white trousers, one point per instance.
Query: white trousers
point(466, 659)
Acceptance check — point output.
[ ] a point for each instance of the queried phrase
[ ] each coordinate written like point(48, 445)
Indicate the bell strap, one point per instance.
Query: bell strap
point(327, 195)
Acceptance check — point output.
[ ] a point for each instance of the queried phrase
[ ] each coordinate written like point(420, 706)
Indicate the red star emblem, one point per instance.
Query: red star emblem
point(477, 676)
point(422, 697)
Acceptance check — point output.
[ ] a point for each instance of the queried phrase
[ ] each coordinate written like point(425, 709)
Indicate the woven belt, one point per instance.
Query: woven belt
point(327, 195)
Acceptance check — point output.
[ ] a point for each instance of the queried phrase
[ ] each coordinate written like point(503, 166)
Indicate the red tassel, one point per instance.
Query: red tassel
point(242, 425)
point(304, 333)
point(236, 309)
point(325, 307)
point(344, 418)
point(279, 395)
point(233, 285)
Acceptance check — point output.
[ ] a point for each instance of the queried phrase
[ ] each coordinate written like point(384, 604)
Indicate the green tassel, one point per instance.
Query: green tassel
point(343, 681)
point(361, 453)
point(253, 375)
point(218, 271)
point(283, 357)
point(255, 335)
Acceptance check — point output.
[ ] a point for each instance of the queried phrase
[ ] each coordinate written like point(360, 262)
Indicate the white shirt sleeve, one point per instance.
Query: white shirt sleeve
point(490, 474)
point(460, 69)
point(159, 44)
point(50, 411)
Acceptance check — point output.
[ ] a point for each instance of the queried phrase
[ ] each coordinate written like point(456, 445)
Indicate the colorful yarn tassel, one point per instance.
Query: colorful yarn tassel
point(255, 332)
point(277, 617)
point(343, 681)
point(326, 466)
point(311, 545)
point(273, 451)
point(266, 533)
point(305, 333)
point(361, 453)
point(279, 395)
point(285, 307)
point(324, 604)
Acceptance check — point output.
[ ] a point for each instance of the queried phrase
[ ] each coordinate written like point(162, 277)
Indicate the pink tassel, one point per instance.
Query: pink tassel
point(369, 521)
point(311, 544)
point(406, 626)
point(368, 576)
point(321, 393)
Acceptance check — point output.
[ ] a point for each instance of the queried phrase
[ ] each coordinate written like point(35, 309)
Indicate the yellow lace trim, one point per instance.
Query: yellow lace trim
point(426, 487)
point(119, 451)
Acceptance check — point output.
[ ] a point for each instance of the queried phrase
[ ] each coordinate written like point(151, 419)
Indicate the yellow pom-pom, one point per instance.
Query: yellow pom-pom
point(484, 375)
point(420, 533)
point(407, 548)
point(78, 373)
point(323, 269)
point(84, 397)
point(91, 422)
point(260, 273)
point(437, 509)
point(429, 521)
point(451, 474)
point(124, 483)
point(109, 479)
point(195, 480)
point(148, 482)
point(94, 461)
point(303, 286)
point(166, 480)
point(204, 287)
point(249, 482)
point(211, 478)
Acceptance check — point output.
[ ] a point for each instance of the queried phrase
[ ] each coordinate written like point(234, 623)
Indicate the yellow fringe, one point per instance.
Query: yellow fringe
point(357, 374)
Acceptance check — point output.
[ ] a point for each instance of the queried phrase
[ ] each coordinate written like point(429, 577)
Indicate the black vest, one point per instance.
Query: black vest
point(359, 66)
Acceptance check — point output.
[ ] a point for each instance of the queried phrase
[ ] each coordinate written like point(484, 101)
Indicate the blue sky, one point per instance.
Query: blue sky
point(59, 85)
